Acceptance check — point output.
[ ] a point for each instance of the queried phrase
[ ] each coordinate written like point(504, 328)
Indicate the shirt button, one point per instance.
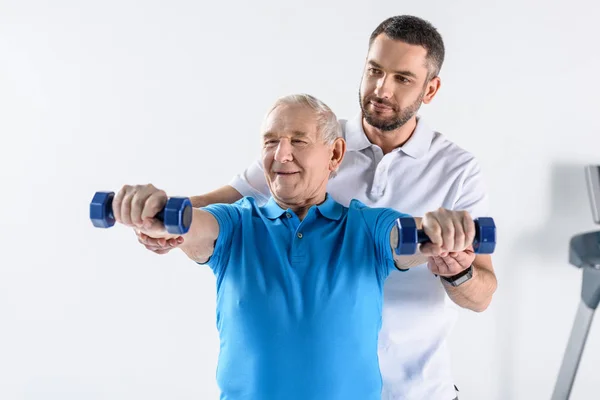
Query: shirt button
point(299, 235)
point(287, 214)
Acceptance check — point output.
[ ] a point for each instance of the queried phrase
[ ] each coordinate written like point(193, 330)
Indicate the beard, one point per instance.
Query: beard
point(399, 117)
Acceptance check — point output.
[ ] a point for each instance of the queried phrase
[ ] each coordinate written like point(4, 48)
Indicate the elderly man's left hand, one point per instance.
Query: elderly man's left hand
point(448, 232)
point(451, 234)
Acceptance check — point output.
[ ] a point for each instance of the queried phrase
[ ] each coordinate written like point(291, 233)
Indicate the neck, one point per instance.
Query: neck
point(301, 207)
point(390, 140)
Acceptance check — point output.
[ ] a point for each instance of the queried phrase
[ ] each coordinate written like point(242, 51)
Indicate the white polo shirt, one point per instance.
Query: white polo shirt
point(426, 173)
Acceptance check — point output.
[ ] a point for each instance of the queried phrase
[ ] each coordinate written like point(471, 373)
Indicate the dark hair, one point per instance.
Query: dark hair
point(416, 31)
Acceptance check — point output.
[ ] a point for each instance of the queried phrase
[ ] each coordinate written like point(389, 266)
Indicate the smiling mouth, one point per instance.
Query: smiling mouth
point(286, 173)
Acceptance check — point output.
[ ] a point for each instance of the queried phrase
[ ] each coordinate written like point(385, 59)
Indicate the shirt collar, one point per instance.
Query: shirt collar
point(420, 141)
point(329, 209)
point(416, 147)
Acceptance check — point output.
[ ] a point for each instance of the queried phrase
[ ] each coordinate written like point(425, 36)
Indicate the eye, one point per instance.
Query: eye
point(373, 71)
point(402, 79)
point(298, 141)
point(270, 142)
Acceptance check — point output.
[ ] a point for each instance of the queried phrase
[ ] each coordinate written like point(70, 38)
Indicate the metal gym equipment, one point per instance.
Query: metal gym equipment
point(584, 253)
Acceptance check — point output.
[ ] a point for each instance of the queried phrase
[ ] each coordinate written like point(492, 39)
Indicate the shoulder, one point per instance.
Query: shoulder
point(244, 206)
point(442, 147)
point(367, 212)
point(448, 160)
point(246, 202)
point(356, 204)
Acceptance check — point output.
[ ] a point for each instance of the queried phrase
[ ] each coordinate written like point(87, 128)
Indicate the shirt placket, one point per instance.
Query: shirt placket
point(381, 171)
point(298, 248)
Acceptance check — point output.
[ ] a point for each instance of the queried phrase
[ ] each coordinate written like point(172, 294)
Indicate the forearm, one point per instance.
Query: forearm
point(198, 242)
point(225, 194)
point(475, 294)
point(406, 262)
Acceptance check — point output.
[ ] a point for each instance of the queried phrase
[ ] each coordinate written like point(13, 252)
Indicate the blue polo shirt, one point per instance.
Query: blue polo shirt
point(299, 302)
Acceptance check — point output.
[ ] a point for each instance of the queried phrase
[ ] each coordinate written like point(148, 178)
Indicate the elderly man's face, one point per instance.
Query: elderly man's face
point(296, 161)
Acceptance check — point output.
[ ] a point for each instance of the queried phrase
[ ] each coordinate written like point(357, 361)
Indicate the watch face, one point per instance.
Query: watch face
point(461, 280)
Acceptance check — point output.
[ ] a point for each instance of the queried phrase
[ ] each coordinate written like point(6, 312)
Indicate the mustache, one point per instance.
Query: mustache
point(381, 101)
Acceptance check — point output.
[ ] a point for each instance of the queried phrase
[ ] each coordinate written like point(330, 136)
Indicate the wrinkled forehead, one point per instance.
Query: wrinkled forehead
point(291, 120)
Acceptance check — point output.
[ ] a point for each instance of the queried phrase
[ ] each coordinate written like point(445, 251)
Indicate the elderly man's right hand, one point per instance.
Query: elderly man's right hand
point(136, 206)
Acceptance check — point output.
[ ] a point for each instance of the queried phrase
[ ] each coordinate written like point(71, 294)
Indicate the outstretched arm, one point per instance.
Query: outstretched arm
point(223, 195)
point(250, 182)
point(136, 206)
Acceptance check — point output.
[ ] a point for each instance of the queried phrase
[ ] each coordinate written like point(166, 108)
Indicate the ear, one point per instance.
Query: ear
point(431, 89)
point(338, 150)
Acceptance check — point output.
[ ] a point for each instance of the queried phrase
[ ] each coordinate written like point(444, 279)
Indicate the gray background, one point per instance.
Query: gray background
point(94, 95)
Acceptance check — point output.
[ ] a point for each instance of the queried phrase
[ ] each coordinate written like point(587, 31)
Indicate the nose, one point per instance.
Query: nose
point(383, 89)
point(284, 152)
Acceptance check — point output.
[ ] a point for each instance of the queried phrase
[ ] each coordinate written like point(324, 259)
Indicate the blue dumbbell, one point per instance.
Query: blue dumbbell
point(409, 236)
point(176, 216)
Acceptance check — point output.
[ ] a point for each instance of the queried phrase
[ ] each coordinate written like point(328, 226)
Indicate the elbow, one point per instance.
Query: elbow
point(484, 303)
point(200, 257)
point(482, 306)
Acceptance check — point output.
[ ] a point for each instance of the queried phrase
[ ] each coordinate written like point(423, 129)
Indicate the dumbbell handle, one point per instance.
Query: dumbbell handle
point(422, 236)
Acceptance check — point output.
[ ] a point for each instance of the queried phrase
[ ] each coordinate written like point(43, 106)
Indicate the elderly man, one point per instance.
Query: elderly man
point(300, 279)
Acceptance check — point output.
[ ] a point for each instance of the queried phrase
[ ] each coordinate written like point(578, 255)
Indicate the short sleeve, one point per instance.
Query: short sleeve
point(252, 183)
point(472, 195)
point(228, 217)
point(379, 222)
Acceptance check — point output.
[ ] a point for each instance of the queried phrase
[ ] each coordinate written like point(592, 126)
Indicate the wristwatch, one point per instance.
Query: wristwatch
point(460, 278)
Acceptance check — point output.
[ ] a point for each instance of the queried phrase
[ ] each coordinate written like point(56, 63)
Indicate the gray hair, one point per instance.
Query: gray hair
point(327, 121)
